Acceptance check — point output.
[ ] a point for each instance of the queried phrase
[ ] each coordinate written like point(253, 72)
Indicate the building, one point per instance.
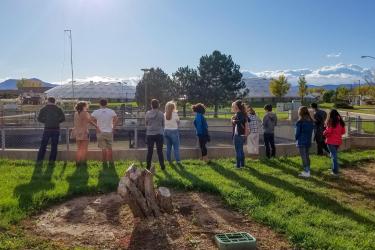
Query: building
point(91, 91)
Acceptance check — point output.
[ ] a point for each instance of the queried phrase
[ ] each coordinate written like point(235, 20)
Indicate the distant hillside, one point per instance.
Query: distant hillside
point(11, 84)
point(334, 86)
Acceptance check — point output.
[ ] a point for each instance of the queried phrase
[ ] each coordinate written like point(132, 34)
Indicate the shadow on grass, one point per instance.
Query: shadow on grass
point(314, 199)
point(342, 183)
point(108, 178)
point(262, 194)
point(197, 183)
point(40, 182)
point(78, 181)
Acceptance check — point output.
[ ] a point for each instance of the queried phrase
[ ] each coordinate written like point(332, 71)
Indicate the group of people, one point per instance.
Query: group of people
point(328, 132)
point(163, 127)
point(103, 119)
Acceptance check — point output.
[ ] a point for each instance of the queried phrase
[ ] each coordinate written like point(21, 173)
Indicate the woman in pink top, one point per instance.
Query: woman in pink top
point(82, 119)
point(335, 128)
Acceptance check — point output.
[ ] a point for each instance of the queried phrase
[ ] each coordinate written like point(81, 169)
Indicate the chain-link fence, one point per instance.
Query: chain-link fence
point(358, 126)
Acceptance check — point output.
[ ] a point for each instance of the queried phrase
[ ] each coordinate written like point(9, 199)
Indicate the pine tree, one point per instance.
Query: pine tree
point(158, 86)
point(185, 82)
point(220, 80)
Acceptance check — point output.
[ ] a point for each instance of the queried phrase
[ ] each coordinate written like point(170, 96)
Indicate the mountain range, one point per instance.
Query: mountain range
point(11, 84)
point(338, 74)
point(328, 77)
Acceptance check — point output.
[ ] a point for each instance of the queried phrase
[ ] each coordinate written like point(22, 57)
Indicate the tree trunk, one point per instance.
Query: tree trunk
point(137, 189)
point(165, 199)
point(184, 110)
point(216, 110)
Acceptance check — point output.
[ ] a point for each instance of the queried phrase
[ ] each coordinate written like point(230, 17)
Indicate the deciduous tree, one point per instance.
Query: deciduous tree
point(302, 87)
point(279, 87)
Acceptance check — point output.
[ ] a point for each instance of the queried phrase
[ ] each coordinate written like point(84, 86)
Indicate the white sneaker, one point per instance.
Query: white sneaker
point(333, 174)
point(304, 174)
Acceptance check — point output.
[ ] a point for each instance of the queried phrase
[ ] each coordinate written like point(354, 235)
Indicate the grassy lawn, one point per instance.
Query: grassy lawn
point(314, 213)
point(364, 109)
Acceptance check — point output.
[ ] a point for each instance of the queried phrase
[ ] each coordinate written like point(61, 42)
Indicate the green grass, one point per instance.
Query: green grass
point(364, 109)
point(319, 213)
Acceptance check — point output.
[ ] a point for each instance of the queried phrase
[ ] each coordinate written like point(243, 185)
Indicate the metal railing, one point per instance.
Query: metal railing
point(124, 137)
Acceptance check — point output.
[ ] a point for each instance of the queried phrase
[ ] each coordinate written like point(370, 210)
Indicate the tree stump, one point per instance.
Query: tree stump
point(137, 189)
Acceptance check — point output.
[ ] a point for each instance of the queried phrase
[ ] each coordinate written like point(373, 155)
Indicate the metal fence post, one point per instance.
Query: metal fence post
point(349, 125)
point(358, 124)
point(67, 139)
point(3, 139)
point(135, 137)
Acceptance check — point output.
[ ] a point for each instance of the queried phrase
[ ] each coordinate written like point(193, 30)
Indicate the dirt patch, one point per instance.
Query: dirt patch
point(104, 222)
point(358, 184)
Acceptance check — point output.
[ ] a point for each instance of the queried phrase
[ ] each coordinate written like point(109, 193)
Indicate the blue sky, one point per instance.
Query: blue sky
point(118, 37)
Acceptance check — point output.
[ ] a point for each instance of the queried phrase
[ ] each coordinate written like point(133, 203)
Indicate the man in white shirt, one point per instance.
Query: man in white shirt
point(105, 119)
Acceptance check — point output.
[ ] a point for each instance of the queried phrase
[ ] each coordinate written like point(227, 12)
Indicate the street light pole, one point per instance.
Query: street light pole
point(71, 58)
point(144, 72)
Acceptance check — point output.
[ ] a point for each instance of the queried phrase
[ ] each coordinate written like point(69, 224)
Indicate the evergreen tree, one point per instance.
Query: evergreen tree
point(158, 86)
point(185, 82)
point(220, 80)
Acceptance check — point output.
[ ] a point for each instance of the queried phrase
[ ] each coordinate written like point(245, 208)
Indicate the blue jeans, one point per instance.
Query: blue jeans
point(305, 156)
point(269, 142)
point(238, 146)
point(333, 150)
point(172, 138)
point(54, 135)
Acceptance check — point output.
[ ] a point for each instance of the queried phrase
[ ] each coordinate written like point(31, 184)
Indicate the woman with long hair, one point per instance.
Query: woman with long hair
point(201, 128)
point(171, 134)
point(335, 128)
point(253, 137)
point(303, 136)
point(239, 123)
point(80, 132)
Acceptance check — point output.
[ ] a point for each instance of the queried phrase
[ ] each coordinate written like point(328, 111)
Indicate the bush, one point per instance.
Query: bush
point(343, 105)
point(328, 96)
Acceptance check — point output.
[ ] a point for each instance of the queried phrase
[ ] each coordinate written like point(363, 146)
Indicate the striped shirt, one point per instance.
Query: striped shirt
point(253, 123)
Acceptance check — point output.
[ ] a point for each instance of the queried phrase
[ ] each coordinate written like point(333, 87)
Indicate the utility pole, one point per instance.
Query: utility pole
point(144, 73)
point(71, 58)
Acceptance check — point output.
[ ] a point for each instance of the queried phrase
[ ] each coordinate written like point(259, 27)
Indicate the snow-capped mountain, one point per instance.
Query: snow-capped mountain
point(336, 74)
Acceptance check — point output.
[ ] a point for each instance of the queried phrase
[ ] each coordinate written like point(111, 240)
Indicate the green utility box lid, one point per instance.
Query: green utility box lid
point(235, 241)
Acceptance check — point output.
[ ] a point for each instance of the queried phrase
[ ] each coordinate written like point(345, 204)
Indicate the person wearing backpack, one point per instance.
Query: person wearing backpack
point(240, 131)
point(303, 135)
point(320, 117)
point(201, 128)
point(269, 123)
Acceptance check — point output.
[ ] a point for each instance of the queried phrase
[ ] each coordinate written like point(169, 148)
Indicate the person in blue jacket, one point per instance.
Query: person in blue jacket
point(304, 130)
point(201, 128)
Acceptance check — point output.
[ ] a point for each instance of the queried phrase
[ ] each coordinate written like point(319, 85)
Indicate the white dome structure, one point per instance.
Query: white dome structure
point(94, 90)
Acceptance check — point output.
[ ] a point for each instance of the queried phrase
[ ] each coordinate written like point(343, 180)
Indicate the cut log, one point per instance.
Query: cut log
point(165, 199)
point(138, 197)
point(150, 193)
point(136, 187)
